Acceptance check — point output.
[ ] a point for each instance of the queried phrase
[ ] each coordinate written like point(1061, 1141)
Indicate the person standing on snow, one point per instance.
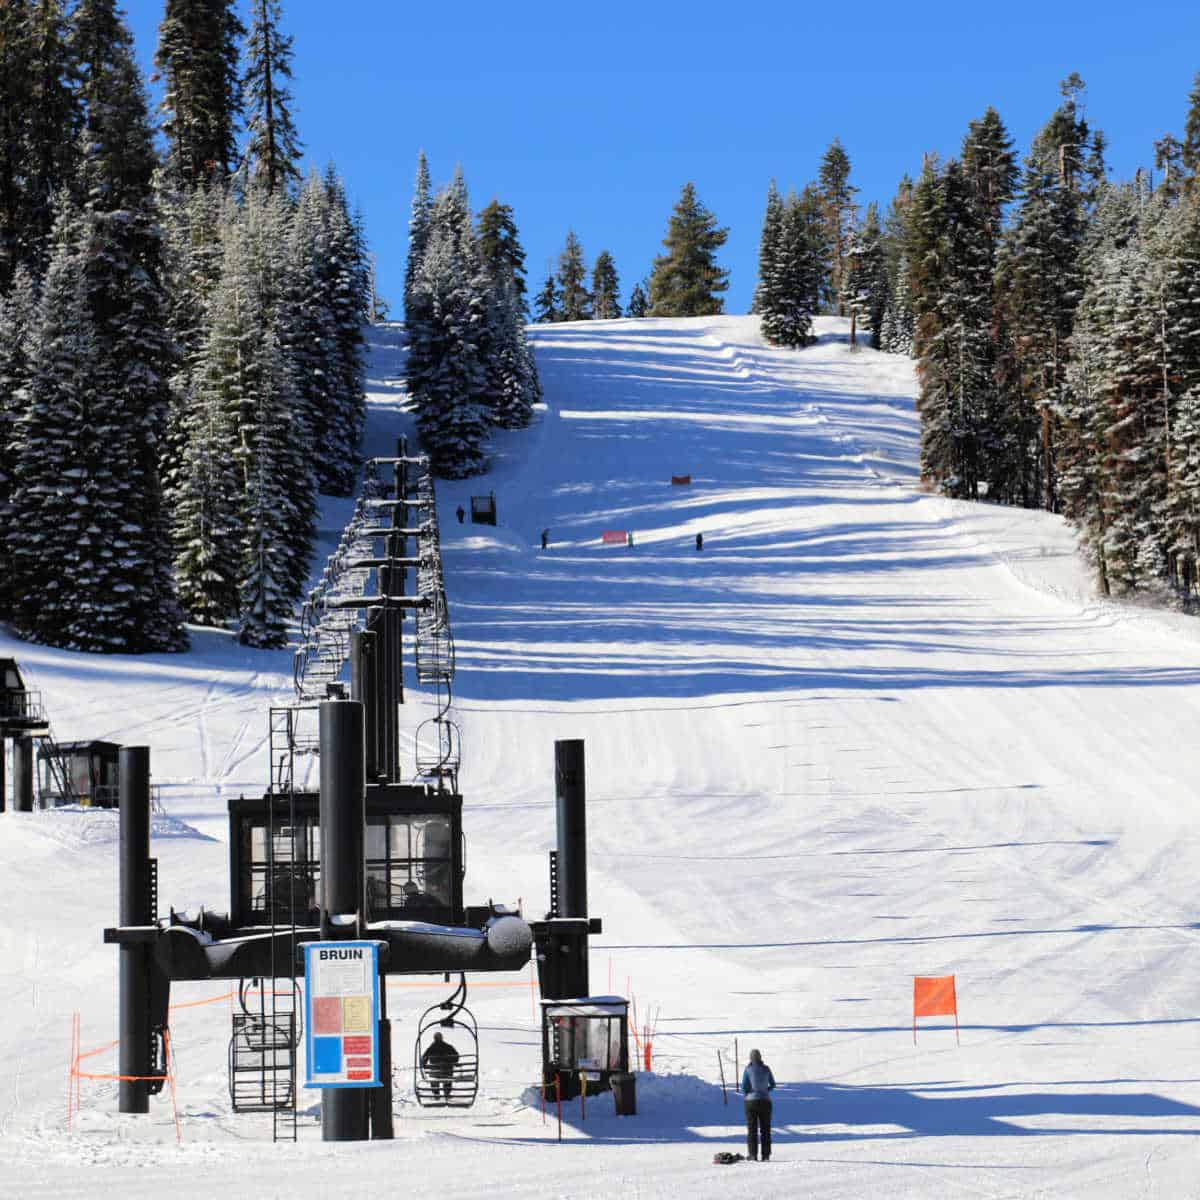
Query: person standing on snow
point(757, 1085)
point(460, 512)
point(545, 538)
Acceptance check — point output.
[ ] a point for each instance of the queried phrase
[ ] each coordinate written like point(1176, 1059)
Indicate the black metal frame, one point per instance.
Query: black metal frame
point(384, 803)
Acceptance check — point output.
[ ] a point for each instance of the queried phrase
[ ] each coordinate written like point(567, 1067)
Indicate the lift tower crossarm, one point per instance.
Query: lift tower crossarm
point(380, 602)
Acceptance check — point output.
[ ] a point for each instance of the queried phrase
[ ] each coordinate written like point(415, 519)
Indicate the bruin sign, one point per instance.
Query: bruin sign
point(322, 955)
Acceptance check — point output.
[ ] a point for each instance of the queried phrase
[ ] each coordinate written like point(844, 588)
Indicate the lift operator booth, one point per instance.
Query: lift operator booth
point(585, 1043)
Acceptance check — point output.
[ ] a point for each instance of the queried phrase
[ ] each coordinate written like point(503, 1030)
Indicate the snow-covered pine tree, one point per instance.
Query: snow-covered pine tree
point(837, 203)
point(500, 248)
point(768, 242)
point(896, 332)
point(15, 87)
point(273, 146)
point(208, 491)
point(448, 329)
point(686, 281)
point(49, 511)
point(129, 602)
point(606, 288)
point(546, 304)
point(575, 301)
point(513, 386)
point(866, 283)
point(265, 591)
point(53, 122)
point(639, 303)
point(18, 312)
point(793, 275)
point(1038, 286)
point(197, 60)
point(346, 283)
point(192, 253)
point(418, 224)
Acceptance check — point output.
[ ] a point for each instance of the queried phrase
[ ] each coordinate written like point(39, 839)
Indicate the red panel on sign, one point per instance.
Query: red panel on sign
point(358, 1075)
point(358, 1062)
point(326, 1015)
point(356, 1045)
point(614, 537)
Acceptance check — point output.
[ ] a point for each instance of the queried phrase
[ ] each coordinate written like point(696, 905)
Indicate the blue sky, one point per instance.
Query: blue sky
point(593, 119)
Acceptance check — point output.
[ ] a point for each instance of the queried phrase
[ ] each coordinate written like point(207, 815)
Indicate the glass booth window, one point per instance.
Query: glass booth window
point(408, 864)
point(280, 872)
point(590, 1042)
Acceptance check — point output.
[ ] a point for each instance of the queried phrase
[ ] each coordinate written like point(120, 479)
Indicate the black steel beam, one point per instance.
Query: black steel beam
point(380, 601)
point(414, 948)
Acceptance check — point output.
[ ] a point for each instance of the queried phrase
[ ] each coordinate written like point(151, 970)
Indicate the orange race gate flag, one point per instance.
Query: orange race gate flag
point(614, 537)
point(677, 480)
point(934, 996)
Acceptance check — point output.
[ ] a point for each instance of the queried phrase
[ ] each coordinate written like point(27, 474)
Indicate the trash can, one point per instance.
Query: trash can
point(624, 1087)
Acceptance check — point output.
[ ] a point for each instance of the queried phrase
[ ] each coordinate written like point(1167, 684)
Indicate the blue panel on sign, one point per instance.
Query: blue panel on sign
point(326, 1056)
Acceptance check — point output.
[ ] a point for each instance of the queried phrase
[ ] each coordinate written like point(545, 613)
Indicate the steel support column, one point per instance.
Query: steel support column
point(23, 774)
point(134, 1054)
point(344, 1111)
point(570, 803)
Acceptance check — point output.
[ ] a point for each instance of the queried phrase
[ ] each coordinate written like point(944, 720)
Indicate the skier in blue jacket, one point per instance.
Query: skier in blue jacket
point(757, 1085)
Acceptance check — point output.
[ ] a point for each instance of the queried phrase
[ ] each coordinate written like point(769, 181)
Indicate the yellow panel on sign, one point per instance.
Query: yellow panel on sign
point(356, 1014)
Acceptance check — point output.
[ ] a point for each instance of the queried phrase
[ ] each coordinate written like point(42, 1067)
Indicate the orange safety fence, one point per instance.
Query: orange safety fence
point(934, 996)
point(614, 537)
point(75, 1074)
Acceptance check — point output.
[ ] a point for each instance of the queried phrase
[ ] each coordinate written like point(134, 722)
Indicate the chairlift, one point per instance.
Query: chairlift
point(459, 1087)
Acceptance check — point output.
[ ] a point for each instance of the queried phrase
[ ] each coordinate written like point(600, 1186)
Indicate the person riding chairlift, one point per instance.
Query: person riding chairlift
point(439, 1061)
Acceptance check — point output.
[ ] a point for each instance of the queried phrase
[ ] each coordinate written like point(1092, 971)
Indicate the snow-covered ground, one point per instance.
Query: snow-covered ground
point(865, 734)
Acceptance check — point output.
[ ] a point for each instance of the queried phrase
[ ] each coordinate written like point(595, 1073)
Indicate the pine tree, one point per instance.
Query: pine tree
point(575, 302)
point(606, 288)
point(500, 249)
point(896, 333)
point(15, 98)
point(1191, 133)
point(265, 594)
point(346, 286)
point(547, 302)
point(686, 281)
point(197, 59)
point(17, 342)
point(794, 274)
point(54, 122)
point(837, 202)
point(1038, 285)
point(639, 304)
point(129, 602)
point(768, 243)
point(208, 493)
point(418, 225)
point(866, 281)
point(273, 146)
point(448, 327)
point(49, 519)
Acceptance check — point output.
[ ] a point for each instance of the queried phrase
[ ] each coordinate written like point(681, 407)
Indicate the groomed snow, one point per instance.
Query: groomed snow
point(864, 734)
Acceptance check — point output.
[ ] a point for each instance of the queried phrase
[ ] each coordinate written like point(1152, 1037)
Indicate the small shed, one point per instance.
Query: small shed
point(93, 769)
point(585, 1042)
point(20, 709)
point(483, 509)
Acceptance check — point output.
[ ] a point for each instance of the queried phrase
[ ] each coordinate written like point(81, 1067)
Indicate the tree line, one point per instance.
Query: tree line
point(683, 282)
point(1056, 338)
point(181, 348)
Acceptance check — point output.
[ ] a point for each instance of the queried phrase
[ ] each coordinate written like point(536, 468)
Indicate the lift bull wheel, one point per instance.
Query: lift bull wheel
point(453, 1020)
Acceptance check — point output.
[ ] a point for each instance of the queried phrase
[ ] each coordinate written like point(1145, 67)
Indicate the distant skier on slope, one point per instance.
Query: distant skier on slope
point(699, 541)
point(545, 538)
point(757, 1085)
point(460, 512)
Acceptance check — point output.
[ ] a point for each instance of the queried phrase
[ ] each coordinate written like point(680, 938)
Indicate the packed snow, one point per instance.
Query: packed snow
point(864, 734)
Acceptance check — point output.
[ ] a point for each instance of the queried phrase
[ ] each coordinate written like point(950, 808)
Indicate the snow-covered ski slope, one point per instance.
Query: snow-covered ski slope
point(864, 734)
